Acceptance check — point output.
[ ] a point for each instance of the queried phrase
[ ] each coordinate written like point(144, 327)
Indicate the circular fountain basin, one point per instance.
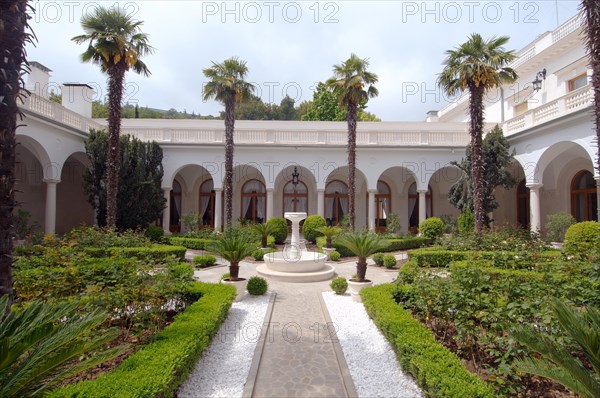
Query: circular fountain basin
point(304, 267)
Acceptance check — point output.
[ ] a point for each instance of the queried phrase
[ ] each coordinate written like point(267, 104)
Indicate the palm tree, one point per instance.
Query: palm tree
point(39, 344)
point(329, 232)
point(591, 10)
point(362, 245)
point(116, 44)
point(13, 36)
point(353, 85)
point(557, 362)
point(233, 247)
point(227, 85)
point(477, 66)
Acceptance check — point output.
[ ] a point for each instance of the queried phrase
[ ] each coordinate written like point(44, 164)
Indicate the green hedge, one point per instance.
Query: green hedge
point(436, 370)
point(156, 251)
point(158, 369)
point(431, 257)
point(190, 243)
point(396, 244)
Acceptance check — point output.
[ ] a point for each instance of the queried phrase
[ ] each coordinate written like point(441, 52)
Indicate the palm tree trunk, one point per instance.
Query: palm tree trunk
point(234, 271)
point(229, 127)
point(351, 164)
point(116, 78)
point(13, 22)
point(476, 132)
point(361, 269)
point(591, 9)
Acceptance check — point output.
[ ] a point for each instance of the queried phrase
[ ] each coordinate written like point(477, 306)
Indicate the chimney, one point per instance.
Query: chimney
point(78, 98)
point(432, 116)
point(38, 80)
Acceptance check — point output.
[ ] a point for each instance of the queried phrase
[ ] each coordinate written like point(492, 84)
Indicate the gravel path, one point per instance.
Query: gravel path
point(223, 369)
point(372, 361)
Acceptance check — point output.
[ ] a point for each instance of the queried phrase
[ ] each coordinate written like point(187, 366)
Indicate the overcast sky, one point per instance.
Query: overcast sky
point(289, 46)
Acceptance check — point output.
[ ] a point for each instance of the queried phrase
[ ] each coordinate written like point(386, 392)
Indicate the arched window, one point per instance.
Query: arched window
point(175, 207)
point(295, 198)
point(584, 197)
point(383, 204)
point(254, 201)
point(336, 202)
point(413, 206)
point(522, 205)
point(207, 204)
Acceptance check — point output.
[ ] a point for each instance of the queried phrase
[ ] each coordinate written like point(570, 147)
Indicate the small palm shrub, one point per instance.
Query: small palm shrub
point(389, 261)
point(339, 285)
point(257, 286)
point(335, 256)
point(329, 232)
point(431, 228)
point(204, 261)
point(263, 230)
point(279, 229)
point(378, 259)
point(557, 226)
point(311, 226)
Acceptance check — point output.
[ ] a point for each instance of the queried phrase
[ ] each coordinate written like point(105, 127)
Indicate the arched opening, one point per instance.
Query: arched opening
point(295, 198)
point(584, 199)
point(175, 207)
point(254, 201)
point(383, 204)
point(413, 207)
point(522, 205)
point(207, 204)
point(336, 202)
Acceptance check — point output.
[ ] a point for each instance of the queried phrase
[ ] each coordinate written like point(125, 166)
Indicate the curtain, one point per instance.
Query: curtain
point(204, 206)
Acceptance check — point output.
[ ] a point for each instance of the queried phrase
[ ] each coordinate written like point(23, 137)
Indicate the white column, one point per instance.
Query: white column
point(422, 205)
point(535, 218)
point(321, 202)
point(50, 216)
point(218, 209)
point(269, 204)
point(371, 209)
point(166, 219)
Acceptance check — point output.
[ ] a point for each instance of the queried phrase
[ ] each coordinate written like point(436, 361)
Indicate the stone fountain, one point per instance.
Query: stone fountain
point(295, 263)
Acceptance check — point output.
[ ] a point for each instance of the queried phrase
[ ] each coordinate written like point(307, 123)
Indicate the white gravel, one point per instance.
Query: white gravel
point(372, 361)
point(223, 369)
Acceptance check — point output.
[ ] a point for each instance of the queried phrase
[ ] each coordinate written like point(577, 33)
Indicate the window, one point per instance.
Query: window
point(578, 82)
point(254, 201)
point(295, 199)
point(383, 203)
point(584, 198)
point(521, 108)
point(336, 202)
point(207, 204)
point(522, 205)
point(175, 207)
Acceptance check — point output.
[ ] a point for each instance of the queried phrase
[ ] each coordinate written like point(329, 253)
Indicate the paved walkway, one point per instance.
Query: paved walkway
point(298, 357)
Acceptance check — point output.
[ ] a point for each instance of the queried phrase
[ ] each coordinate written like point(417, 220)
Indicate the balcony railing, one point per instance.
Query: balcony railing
point(565, 105)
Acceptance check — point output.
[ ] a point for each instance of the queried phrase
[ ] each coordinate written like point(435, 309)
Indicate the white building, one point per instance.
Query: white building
point(402, 167)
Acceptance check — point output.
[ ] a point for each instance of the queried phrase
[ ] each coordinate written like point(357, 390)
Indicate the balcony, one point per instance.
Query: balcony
point(563, 106)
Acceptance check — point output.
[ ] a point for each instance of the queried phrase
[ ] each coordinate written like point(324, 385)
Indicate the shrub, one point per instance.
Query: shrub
point(204, 261)
point(310, 226)
point(258, 254)
point(450, 223)
point(257, 286)
point(225, 276)
point(378, 259)
point(431, 228)
point(389, 261)
point(557, 226)
point(466, 222)
point(335, 255)
point(280, 229)
point(159, 368)
point(583, 240)
point(393, 224)
point(438, 371)
point(154, 233)
point(339, 285)
point(156, 252)
point(190, 243)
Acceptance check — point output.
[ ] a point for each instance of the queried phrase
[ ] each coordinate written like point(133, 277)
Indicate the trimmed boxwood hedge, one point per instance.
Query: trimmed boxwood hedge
point(432, 257)
point(157, 252)
point(159, 368)
point(190, 243)
point(396, 244)
point(436, 369)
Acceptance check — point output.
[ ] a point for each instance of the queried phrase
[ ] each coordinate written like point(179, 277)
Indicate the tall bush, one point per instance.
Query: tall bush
point(279, 229)
point(311, 226)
